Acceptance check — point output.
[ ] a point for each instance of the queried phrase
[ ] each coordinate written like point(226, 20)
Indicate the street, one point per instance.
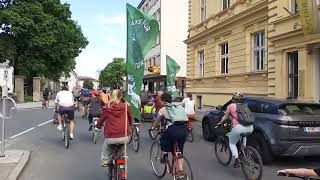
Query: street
point(50, 160)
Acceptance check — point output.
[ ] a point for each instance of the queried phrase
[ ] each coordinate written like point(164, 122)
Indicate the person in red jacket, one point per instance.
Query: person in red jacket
point(114, 119)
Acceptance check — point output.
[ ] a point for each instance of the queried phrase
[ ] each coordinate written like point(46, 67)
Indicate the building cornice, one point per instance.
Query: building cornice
point(236, 17)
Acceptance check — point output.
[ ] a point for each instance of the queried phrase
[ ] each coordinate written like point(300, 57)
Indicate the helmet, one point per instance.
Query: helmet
point(237, 96)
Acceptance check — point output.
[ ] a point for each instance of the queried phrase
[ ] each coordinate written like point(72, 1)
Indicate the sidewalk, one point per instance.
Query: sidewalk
point(13, 163)
point(33, 105)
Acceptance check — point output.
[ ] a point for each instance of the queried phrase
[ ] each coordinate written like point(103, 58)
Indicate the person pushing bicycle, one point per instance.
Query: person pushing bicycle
point(176, 131)
point(238, 127)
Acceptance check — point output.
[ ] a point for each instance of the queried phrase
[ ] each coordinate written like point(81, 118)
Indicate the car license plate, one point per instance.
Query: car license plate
point(311, 129)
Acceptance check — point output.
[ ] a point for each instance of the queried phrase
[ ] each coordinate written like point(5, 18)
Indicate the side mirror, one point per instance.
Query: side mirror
point(219, 108)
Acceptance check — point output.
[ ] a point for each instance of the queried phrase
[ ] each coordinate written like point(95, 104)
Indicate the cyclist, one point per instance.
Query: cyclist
point(85, 97)
point(95, 107)
point(64, 100)
point(176, 131)
point(45, 96)
point(114, 118)
point(105, 96)
point(237, 128)
point(301, 172)
point(189, 106)
point(76, 94)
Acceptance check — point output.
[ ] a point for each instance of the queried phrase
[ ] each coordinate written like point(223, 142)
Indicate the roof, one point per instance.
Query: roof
point(87, 78)
point(141, 3)
point(277, 101)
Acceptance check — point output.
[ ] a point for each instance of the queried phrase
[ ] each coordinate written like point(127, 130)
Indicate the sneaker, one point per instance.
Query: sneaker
point(164, 158)
point(105, 163)
point(71, 136)
point(90, 128)
point(59, 128)
point(236, 163)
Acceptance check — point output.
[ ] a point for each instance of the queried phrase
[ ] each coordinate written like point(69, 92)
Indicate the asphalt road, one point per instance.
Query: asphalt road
point(50, 160)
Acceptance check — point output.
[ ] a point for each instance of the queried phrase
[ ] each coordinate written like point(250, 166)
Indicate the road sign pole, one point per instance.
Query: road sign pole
point(4, 96)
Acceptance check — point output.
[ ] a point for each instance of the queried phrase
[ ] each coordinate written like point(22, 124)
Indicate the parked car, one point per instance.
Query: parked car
point(282, 127)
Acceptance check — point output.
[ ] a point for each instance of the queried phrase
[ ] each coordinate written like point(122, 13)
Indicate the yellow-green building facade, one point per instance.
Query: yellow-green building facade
point(257, 47)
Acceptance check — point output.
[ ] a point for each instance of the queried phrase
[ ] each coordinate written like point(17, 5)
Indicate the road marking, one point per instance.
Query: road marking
point(45, 123)
point(21, 133)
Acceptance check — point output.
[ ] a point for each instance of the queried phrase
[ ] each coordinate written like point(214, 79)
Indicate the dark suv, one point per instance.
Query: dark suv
point(282, 127)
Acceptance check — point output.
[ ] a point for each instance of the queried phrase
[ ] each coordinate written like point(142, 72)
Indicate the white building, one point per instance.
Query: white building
point(71, 81)
point(10, 77)
point(173, 20)
point(81, 80)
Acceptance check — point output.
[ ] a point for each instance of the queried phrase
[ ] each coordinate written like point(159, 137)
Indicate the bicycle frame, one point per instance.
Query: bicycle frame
point(118, 163)
point(173, 166)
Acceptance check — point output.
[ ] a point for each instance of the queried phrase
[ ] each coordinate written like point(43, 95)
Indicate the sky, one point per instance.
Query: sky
point(103, 22)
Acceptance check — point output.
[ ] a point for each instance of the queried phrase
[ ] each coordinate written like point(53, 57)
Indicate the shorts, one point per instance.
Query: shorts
point(67, 110)
point(45, 98)
point(85, 101)
point(174, 134)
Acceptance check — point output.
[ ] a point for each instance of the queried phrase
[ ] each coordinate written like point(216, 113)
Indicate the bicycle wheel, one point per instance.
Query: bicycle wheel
point(135, 140)
point(94, 136)
point(67, 137)
point(190, 136)
point(153, 133)
point(251, 163)
point(222, 151)
point(158, 168)
point(187, 171)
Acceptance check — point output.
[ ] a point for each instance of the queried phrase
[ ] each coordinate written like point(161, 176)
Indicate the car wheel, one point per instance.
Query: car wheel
point(258, 142)
point(206, 130)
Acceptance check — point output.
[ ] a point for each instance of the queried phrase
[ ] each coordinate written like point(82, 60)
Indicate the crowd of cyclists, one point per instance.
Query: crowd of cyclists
point(116, 117)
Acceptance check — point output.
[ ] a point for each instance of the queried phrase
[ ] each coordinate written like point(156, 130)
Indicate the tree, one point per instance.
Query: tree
point(112, 75)
point(88, 84)
point(39, 37)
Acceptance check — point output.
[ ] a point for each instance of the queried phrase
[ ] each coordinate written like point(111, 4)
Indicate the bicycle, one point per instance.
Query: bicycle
point(65, 133)
point(160, 169)
point(190, 136)
point(95, 133)
point(116, 167)
point(135, 136)
point(250, 159)
point(299, 177)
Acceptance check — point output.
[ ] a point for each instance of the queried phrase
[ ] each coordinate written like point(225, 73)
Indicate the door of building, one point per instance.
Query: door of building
point(317, 75)
point(293, 86)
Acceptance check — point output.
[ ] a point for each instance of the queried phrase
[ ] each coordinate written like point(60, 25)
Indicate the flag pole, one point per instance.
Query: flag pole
point(126, 120)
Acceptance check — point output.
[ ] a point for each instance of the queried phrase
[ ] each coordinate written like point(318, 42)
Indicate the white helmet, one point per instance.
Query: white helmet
point(237, 96)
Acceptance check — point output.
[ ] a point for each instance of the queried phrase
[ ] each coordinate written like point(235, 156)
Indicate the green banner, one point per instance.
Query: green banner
point(142, 32)
point(172, 69)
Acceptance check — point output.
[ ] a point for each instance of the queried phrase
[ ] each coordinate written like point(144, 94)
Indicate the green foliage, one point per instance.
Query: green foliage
point(112, 75)
point(28, 99)
point(39, 37)
point(88, 84)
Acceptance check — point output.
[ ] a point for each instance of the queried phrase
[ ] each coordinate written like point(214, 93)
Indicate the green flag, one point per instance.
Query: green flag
point(172, 69)
point(142, 32)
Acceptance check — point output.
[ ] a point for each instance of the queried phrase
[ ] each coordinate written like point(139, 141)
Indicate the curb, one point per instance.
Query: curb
point(20, 166)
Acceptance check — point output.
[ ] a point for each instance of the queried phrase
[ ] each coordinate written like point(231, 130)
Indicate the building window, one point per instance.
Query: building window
point(258, 51)
point(201, 63)
point(199, 102)
point(294, 7)
point(224, 58)
point(293, 75)
point(203, 10)
point(225, 4)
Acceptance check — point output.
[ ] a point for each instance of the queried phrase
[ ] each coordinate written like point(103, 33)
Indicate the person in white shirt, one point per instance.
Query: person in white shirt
point(64, 104)
point(189, 106)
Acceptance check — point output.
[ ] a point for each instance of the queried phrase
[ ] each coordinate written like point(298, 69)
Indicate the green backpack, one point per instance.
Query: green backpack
point(176, 112)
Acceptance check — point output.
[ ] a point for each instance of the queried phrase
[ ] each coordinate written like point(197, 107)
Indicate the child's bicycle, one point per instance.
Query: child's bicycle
point(250, 159)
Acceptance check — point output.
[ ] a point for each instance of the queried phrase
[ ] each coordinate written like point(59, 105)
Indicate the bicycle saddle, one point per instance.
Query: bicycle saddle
point(245, 134)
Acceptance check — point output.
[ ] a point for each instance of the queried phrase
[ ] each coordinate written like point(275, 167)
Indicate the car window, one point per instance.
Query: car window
point(254, 106)
point(268, 108)
point(301, 109)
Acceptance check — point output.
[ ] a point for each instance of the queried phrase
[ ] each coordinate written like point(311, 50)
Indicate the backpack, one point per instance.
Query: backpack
point(245, 116)
point(85, 93)
point(176, 112)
